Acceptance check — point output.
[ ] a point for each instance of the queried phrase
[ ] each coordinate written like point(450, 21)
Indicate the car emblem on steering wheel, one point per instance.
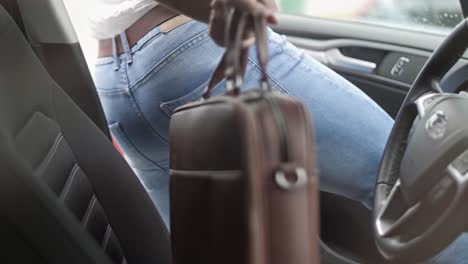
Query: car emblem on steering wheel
point(436, 126)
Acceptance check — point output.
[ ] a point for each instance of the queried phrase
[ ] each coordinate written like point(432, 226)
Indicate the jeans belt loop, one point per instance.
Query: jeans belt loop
point(126, 46)
point(115, 55)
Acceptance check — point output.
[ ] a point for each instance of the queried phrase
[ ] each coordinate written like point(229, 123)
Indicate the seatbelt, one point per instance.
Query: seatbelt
point(12, 7)
point(464, 6)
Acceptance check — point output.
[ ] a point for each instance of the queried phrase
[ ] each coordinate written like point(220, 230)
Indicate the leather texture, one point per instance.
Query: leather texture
point(243, 170)
point(225, 153)
point(64, 188)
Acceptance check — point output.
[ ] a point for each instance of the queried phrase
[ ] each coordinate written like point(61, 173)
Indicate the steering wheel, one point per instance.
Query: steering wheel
point(421, 192)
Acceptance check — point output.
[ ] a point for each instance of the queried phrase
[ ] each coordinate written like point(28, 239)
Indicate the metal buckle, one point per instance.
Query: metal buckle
point(287, 185)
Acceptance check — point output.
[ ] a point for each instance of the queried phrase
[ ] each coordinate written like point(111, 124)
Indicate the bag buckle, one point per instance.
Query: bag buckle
point(286, 183)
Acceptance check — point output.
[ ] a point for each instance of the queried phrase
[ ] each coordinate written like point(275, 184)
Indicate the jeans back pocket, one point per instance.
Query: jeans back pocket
point(194, 95)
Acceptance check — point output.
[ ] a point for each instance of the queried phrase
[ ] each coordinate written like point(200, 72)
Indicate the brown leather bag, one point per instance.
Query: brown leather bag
point(244, 186)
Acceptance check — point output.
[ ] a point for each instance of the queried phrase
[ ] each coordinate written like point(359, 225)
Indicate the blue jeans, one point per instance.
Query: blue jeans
point(140, 90)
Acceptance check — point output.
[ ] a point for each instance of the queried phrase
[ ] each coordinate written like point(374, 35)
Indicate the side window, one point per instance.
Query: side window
point(436, 16)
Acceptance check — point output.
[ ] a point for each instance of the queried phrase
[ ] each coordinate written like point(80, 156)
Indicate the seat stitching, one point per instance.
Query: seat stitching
point(89, 210)
point(106, 239)
point(53, 150)
point(71, 177)
point(22, 128)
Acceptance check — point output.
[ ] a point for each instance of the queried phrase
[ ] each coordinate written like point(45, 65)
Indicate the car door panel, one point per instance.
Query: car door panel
point(381, 61)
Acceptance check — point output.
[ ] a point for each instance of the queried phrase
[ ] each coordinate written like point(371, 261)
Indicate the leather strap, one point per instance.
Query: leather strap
point(261, 36)
point(234, 62)
point(158, 16)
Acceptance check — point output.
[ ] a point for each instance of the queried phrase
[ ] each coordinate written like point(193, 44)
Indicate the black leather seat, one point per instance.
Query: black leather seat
point(66, 195)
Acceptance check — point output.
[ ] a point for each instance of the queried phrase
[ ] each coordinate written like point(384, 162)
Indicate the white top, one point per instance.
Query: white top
point(108, 18)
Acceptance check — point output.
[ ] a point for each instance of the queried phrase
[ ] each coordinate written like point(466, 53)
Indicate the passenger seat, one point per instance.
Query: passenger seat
point(66, 195)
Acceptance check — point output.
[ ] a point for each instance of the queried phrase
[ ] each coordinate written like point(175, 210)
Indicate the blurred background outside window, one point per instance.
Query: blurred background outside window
point(435, 16)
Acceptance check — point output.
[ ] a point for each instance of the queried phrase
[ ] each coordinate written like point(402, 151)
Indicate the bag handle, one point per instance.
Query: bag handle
point(234, 62)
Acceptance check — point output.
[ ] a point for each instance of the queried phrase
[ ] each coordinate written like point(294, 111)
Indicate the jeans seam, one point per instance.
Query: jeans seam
point(111, 92)
point(192, 96)
point(122, 79)
point(192, 42)
point(146, 40)
point(276, 82)
point(299, 59)
point(138, 151)
point(281, 46)
point(137, 108)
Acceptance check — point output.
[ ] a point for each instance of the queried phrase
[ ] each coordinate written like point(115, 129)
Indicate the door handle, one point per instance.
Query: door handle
point(335, 59)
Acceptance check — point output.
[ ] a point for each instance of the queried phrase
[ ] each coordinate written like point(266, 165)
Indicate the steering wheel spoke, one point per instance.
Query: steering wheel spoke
point(395, 215)
point(435, 86)
point(425, 102)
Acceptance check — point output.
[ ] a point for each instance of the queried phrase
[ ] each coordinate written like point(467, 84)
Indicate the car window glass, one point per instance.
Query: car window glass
point(437, 16)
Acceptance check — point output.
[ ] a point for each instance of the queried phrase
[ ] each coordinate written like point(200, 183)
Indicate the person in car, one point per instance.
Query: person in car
point(152, 60)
